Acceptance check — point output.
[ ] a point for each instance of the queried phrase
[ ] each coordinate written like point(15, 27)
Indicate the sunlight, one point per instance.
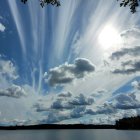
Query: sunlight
point(109, 37)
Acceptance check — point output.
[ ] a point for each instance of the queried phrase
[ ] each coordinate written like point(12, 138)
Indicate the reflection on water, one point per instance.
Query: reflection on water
point(70, 135)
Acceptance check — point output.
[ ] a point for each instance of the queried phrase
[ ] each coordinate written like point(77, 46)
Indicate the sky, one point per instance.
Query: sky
point(77, 63)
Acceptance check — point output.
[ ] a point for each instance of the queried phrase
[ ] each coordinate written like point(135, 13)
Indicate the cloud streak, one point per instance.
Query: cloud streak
point(18, 22)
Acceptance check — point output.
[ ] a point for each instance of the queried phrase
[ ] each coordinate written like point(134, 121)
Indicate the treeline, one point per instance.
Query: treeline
point(132, 123)
point(128, 123)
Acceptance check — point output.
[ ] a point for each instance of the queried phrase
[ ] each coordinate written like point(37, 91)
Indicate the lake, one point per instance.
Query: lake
point(87, 134)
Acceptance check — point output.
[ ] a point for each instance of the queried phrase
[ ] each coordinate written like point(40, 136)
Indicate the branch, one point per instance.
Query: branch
point(133, 4)
point(43, 2)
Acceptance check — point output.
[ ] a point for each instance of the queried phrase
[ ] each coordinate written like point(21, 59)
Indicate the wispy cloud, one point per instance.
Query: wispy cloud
point(19, 23)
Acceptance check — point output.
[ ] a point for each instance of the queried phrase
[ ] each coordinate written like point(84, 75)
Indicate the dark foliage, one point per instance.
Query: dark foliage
point(133, 4)
point(43, 2)
point(128, 123)
point(57, 126)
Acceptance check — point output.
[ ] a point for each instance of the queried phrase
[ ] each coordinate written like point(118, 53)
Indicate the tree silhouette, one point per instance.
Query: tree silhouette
point(133, 4)
point(43, 2)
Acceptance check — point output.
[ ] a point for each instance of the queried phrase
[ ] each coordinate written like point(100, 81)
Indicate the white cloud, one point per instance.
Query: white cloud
point(132, 32)
point(2, 27)
point(8, 69)
point(8, 72)
point(136, 85)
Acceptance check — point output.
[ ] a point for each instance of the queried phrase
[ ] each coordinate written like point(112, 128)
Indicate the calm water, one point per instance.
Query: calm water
point(69, 135)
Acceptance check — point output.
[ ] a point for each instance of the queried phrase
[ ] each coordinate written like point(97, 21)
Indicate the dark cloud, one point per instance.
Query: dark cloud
point(128, 57)
point(90, 111)
point(66, 94)
point(61, 104)
point(66, 73)
point(123, 101)
point(127, 101)
point(78, 112)
point(61, 108)
point(65, 106)
point(120, 102)
point(55, 117)
point(135, 51)
point(106, 108)
point(82, 100)
point(72, 102)
point(13, 91)
point(39, 107)
point(128, 67)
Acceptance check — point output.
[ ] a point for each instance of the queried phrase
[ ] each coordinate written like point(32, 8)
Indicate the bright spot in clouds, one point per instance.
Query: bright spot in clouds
point(109, 37)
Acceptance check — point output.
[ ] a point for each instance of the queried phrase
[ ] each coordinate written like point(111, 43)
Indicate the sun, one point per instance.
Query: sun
point(109, 37)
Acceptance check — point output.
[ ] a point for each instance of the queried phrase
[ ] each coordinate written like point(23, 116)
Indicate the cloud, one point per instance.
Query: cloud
point(60, 109)
point(132, 32)
point(128, 67)
point(78, 112)
point(121, 102)
point(66, 94)
point(8, 69)
point(65, 106)
point(136, 85)
point(66, 73)
point(82, 100)
point(106, 109)
point(127, 101)
point(39, 107)
point(2, 27)
point(135, 51)
point(126, 59)
point(61, 104)
point(72, 102)
point(55, 117)
point(13, 91)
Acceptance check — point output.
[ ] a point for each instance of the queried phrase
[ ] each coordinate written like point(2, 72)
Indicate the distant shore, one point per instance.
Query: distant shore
point(56, 126)
point(132, 123)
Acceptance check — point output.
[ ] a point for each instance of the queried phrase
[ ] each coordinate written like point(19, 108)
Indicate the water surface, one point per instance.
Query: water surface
point(88, 134)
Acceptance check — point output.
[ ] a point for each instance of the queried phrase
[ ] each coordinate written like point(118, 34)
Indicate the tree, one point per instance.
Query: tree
point(43, 2)
point(133, 4)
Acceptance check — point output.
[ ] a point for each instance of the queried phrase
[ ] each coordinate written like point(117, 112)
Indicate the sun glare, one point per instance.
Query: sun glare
point(109, 37)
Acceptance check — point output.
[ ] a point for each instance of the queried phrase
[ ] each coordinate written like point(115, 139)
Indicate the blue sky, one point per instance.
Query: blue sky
point(79, 62)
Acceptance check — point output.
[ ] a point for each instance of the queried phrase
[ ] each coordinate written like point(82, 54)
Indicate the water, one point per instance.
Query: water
point(70, 135)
